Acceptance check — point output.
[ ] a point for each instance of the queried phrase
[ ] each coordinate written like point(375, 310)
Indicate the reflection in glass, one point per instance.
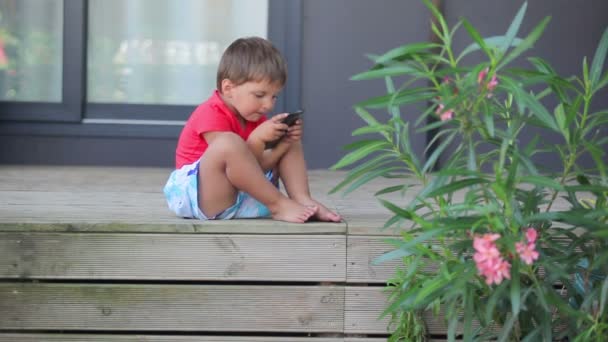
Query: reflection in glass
point(163, 51)
point(31, 46)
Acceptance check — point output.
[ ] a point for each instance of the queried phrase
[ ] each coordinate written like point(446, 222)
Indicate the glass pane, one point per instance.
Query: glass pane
point(163, 51)
point(31, 44)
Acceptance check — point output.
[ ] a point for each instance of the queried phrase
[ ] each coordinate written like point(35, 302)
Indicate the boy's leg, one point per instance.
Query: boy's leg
point(293, 172)
point(227, 167)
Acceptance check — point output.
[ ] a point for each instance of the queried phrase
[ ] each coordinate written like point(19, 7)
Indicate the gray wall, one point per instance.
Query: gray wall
point(337, 34)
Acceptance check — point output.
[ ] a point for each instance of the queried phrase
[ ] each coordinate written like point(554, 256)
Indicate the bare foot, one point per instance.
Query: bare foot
point(323, 213)
point(291, 211)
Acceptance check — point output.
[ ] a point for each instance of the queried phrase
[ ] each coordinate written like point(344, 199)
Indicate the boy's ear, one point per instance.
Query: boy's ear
point(227, 86)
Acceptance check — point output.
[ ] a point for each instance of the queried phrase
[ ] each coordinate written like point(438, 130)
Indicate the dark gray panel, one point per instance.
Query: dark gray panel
point(87, 151)
point(336, 36)
point(573, 33)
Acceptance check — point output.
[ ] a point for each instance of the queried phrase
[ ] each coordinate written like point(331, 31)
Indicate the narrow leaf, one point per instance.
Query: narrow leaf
point(598, 59)
point(526, 44)
point(514, 27)
point(359, 154)
point(455, 186)
point(476, 37)
point(406, 50)
point(542, 182)
point(383, 72)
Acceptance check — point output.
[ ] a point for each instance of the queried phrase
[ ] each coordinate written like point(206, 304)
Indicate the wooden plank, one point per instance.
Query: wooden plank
point(175, 226)
point(362, 252)
point(164, 338)
point(143, 307)
point(120, 199)
point(176, 257)
point(174, 338)
point(363, 307)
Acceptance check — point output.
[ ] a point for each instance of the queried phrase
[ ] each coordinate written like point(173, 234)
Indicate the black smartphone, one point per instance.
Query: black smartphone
point(292, 117)
point(289, 120)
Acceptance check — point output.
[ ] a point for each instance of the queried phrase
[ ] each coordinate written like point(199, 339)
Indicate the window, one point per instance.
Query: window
point(100, 61)
point(163, 51)
point(31, 50)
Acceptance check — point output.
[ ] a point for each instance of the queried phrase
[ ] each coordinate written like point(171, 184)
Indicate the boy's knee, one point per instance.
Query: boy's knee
point(227, 142)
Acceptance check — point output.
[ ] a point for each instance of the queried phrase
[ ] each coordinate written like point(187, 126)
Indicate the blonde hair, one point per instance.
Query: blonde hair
point(252, 59)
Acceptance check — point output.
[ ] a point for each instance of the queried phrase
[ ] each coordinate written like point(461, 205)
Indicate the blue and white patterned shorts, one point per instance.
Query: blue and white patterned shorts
point(181, 193)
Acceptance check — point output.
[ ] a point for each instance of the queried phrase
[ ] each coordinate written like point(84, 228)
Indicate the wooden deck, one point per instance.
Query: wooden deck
point(93, 254)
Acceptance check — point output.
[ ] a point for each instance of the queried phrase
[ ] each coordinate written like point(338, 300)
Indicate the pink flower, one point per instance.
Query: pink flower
point(444, 115)
point(3, 58)
point(488, 260)
point(499, 271)
point(491, 85)
point(527, 252)
point(482, 75)
point(531, 235)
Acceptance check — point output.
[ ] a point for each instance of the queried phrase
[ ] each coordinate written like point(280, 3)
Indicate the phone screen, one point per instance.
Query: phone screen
point(291, 119)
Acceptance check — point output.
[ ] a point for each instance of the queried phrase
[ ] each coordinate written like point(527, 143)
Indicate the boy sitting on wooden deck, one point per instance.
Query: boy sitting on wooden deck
point(223, 168)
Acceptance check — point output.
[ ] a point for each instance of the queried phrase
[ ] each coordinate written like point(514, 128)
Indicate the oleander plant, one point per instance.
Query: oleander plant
point(502, 246)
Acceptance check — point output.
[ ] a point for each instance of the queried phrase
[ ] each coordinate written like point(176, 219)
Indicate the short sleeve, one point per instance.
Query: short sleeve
point(208, 119)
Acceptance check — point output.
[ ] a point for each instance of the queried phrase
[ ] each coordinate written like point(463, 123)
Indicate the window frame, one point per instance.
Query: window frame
point(284, 30)
point(73, 91)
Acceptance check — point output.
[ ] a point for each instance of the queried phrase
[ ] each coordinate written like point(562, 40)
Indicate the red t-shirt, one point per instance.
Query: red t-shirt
point(212, 115)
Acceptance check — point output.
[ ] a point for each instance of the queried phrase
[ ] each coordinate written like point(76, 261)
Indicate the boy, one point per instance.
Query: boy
point(223, 170)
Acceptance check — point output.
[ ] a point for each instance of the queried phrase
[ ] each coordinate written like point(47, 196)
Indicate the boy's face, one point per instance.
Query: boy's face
point(250, 100)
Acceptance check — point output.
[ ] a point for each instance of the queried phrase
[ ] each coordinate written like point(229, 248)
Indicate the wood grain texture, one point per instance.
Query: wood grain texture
point(205, 257)
point(362, 260)
point(363, 307)
point(144, 307)
point(164, 338)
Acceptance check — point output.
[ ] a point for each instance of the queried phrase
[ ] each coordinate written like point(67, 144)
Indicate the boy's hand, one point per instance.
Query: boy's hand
point(294, 133)
point(272, 129)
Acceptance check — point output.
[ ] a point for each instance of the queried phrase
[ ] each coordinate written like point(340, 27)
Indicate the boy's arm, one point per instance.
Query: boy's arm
point(271, 157)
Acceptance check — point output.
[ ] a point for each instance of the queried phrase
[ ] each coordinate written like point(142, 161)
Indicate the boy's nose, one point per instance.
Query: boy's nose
point(267, 105)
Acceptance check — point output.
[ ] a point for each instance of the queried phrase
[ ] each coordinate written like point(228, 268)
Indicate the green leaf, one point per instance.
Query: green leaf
point(515, 289)
point(401, 97)
point(444, 26)
point(369, 176)
point(360, 153)
point(597, 154)
point(598, 59)
point(468, 315)
point(395, 209)
point(455, 186)
point(395, 70)
point(527, 43)
point(391, 189)
point(602, 83)
point(494, 41)
point(477, 38)
point(361, 143)
point(497, 294)
point(372, 129)
point(603, 296)
point(488, 119)
point(392, 255)
point(366, 116)
point(542, 181)
point(368, 166)
point(526, 100)
point(431, 289)
point(532, 335)
point(406, 50)
point(514, 27)
point(435, 155)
